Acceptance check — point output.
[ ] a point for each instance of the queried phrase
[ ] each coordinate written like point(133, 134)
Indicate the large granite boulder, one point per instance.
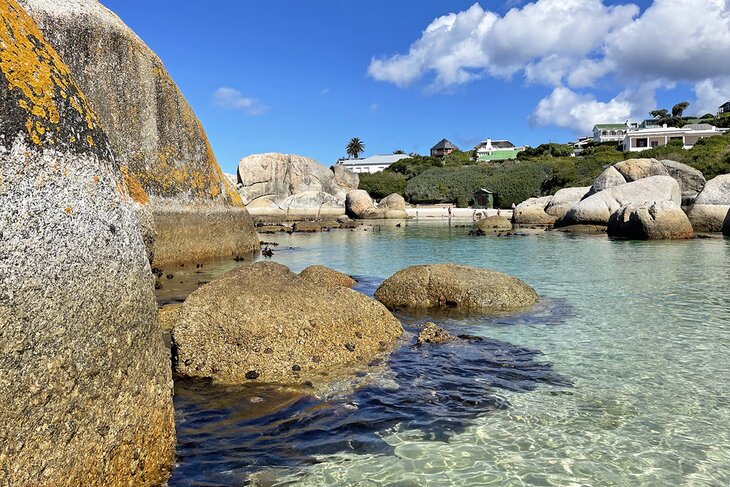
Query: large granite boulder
point(635, 169)
point(155, 136)
point(597, 208)
point(564, 200)
point(532, 212)
point(261, 322)
point(663, 220)
point(359, 204)
point(393, 206)
point(493, 224)
point(345, 178)
point(274, 184)
point(609, 178)
point(84, 375)
point(454, 286)
point(711, 205)
point(691, 181)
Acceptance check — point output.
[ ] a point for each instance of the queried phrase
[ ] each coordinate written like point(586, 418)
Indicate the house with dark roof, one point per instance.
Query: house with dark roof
point(443, 148)
point(497, 150)
point(724, 108)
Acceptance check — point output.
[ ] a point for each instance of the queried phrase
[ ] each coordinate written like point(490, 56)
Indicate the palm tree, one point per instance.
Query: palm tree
point(355, 147)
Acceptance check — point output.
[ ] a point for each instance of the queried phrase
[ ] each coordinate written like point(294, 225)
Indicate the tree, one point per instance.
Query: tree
point(355, 147)
point(659, 114)
point(398, 151)
point(679, 108)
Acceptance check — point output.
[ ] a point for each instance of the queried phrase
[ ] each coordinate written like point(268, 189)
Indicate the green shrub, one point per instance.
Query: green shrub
point(381, 184)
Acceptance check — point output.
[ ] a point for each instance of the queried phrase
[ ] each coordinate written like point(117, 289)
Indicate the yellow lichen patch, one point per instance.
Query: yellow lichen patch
point(31, 66)
point(68, 210)
point(90, 140)
point(133, 187)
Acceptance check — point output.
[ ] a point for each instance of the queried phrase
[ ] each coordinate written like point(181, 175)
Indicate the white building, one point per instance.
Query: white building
point(609, 132)
point(497, 150)
point(373, 163)
point(649, 138)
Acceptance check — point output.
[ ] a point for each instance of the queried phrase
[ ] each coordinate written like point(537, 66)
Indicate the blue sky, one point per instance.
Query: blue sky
point(298, 76)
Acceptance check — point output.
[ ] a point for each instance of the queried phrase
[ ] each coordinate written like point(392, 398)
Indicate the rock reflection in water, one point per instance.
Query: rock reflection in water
point(225, 434)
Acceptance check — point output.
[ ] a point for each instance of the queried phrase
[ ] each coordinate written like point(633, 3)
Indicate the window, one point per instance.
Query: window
point(654, 143)
point(641, 142)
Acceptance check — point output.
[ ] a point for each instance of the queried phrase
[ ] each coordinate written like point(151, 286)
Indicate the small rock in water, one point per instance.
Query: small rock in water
point(432, 333)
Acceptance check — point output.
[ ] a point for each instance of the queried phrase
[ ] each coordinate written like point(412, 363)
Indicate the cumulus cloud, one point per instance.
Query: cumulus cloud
point(232, 99)
point(574, 45)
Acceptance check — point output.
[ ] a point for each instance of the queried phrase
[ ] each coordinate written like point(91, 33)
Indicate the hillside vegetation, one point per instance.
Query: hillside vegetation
point(538, 171)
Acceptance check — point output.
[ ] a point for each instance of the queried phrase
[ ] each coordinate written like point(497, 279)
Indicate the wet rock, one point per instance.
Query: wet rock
point(583, 229)
point(564, 200)
point(432, 334)
point(711, 205)
point(691, 181)
point(84, 374)
point(307, 227)
point(168, 316)
point(597, 208)
point(270, 229)
point(492, 224)
point(635, 169)
point(532, 212)
point(726, 225)
point(325, 276)
point(163, 151)
point(454, 286)
point(222, 327)
point(662, 220)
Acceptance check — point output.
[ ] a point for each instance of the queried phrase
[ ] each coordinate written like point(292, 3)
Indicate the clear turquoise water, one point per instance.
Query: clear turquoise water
point(640, 329)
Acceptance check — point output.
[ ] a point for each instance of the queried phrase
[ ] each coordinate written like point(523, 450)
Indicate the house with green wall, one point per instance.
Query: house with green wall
point(497, 150)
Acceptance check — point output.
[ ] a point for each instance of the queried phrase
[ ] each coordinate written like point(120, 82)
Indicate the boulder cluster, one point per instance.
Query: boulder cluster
point(637, 199)
point(360, 205)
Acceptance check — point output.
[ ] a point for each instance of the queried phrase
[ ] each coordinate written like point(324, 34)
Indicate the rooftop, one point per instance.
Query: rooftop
point(377, 160)
point(612, 126)
point(444, 144)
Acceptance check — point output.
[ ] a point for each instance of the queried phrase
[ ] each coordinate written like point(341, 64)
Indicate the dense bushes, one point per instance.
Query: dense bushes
point(381, 184)
point(711, 155)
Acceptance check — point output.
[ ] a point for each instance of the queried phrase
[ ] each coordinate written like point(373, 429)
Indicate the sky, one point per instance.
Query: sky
point(305, 76)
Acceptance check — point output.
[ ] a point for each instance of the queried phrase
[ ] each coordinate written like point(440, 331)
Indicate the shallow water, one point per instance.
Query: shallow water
point(618, 377)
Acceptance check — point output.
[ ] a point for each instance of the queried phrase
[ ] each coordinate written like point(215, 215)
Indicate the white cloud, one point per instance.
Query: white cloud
point(577, 44)
point(232, 99)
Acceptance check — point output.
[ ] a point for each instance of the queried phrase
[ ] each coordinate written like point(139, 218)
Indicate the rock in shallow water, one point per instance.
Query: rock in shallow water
point(432, 333)
point(663, 220)
point(493, 224)
point(84, 376)
point(263, 320)
point(454, 286)
point(325, 276)
point(711, 205)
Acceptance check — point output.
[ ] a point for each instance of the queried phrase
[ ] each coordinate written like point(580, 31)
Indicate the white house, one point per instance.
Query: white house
point(649, 138)
point(497, 150)
point(610, 132)
point(373, 163)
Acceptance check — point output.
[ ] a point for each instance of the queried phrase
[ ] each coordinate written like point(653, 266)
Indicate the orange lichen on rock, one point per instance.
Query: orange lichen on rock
point(133, 187)
point(34, 70)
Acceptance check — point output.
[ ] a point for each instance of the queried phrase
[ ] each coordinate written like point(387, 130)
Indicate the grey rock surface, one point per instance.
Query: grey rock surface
point(84, 375)
point(608, 179)
point(711, 205)
point(691, 181)
point(635, 169)
point(663, 220)
point(493, 224)
point(564, 199)
point(345, 178)
point(597, 208)
point(532, 212)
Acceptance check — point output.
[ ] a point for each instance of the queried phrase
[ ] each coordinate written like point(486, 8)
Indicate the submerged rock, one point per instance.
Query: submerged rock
point(583, 229)
point(158, 141)
point(493, 224)
point(454, 286)
point(650, 221)
point(711, 205)
point(433, 334)
point(325, 276)
point(84, 375)
point(532, 212)
point(597, 208)
point(262, 322)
